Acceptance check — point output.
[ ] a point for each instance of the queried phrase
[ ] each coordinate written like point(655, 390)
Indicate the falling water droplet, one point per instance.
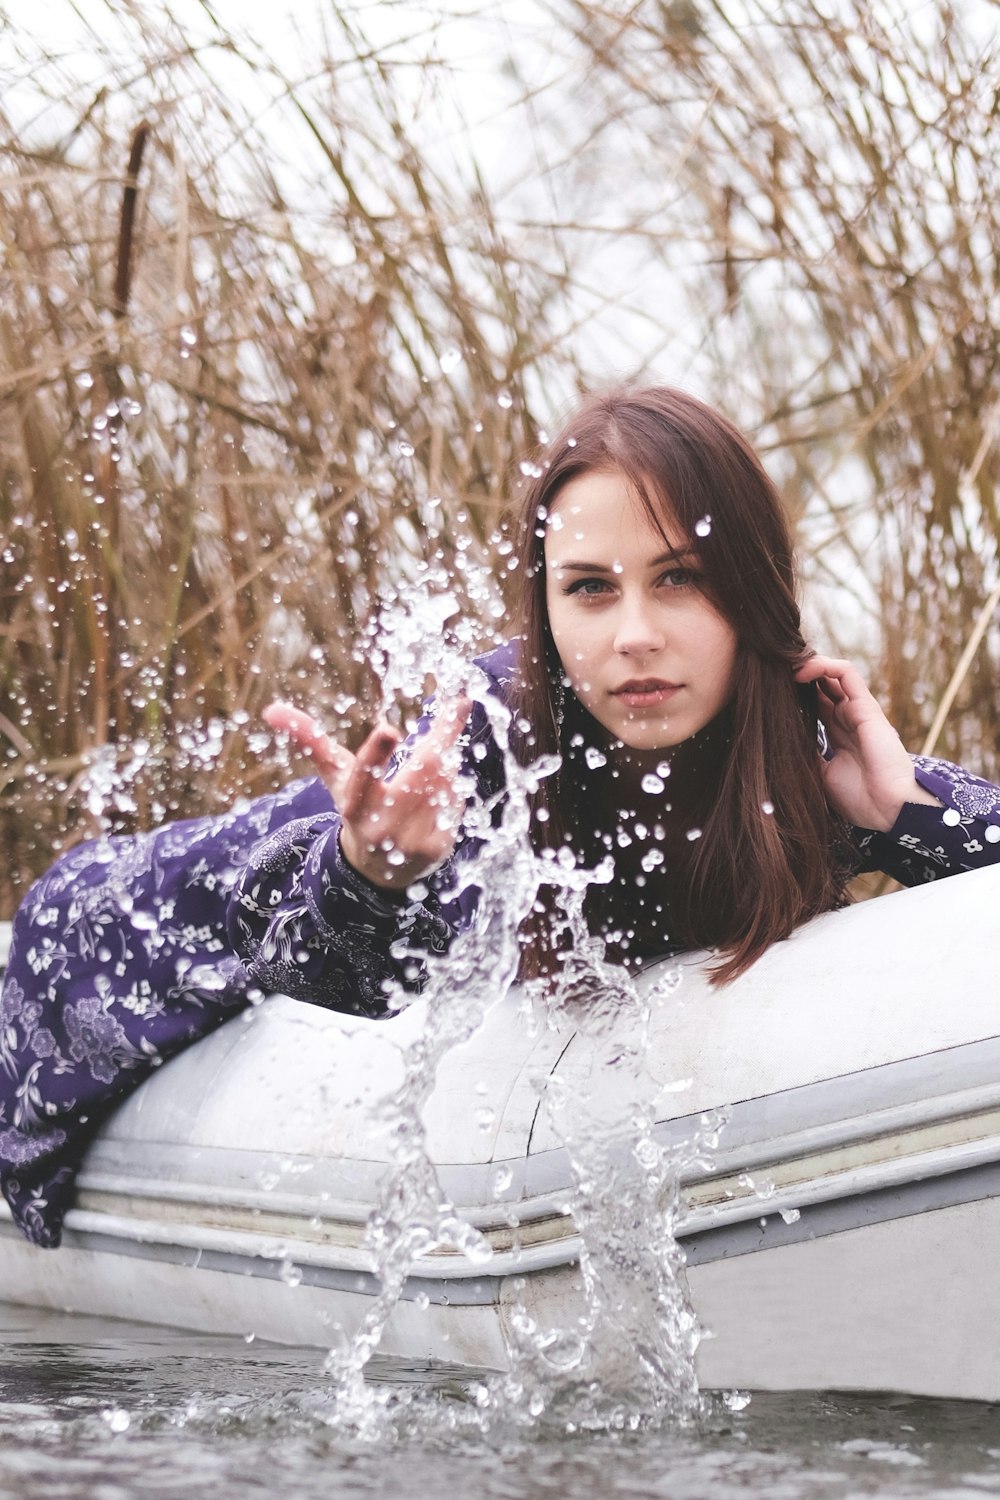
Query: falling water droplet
point(290, 1273)
point(594, 758)
point(703, 527)
point(502, 1179)
point(652, 784)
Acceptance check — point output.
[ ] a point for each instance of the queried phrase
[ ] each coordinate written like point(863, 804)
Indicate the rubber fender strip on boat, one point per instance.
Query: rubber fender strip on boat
point(881, 1146)
point(83, 1226)
point(811, 1181)
point(842, 1216)
point(467, 1291)
point(560, 1247)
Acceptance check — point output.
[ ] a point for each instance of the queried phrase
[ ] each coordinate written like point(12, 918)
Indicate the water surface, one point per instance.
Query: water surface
point(103, 1410)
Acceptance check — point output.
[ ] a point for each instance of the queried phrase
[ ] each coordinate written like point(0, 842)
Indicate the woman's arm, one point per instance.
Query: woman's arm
point(305, 923)
point(959, 831)
point(342, 909)
point(915, 817)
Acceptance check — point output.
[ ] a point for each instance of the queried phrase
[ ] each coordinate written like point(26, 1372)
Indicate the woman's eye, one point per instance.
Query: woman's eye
point(678, 578)
point(590, 588)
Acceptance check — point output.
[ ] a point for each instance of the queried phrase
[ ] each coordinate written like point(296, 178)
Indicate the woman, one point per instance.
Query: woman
point(659, 655)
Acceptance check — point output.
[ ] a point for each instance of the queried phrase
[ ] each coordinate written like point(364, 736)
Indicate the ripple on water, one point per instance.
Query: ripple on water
point(93, 1410)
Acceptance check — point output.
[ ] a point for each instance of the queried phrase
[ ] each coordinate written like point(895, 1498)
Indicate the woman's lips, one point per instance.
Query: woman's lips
point(646, 694)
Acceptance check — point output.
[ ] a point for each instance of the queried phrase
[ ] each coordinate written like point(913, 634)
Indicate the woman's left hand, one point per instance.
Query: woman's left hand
point(870, 775)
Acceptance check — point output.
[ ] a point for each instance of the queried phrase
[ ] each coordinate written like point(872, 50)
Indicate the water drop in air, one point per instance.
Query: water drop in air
point(703, 527)
point(290, 1274)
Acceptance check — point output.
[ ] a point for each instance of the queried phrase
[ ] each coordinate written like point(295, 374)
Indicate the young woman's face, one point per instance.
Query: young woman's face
point(646, 652)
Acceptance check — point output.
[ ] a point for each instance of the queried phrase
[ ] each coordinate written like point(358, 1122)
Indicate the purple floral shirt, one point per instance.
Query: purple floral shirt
point(129, 949)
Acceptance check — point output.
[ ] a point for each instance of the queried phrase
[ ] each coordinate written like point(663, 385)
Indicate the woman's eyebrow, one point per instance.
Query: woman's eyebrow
point(681, 555)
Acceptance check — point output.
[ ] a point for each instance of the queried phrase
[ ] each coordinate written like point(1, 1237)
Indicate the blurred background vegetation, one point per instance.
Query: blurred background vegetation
point(278, 327)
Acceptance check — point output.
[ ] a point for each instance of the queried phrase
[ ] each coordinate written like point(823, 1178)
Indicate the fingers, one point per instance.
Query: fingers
point(818, 667)
point(305, 732)
point(333, 763)
point(362, 789)
point(839, 681)
point(392, 832)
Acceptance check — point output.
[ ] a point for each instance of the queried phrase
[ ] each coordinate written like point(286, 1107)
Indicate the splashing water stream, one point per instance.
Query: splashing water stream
point(629, 1354)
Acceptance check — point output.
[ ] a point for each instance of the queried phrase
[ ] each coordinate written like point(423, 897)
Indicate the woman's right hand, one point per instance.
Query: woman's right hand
point(392, 832)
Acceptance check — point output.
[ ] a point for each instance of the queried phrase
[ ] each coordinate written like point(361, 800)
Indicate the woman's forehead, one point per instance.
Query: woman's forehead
point(608, 510)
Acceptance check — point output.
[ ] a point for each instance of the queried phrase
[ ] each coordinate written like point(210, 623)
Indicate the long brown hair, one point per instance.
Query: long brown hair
point(771, 853)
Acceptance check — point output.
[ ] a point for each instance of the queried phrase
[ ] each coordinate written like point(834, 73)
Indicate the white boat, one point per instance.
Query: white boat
point(846, 1234)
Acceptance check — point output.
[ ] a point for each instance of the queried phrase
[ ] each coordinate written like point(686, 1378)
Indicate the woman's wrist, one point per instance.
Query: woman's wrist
point(910, 792)
point(375, 868)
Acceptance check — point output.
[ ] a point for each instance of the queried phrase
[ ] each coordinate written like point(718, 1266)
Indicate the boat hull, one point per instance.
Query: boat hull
point(844, 1233)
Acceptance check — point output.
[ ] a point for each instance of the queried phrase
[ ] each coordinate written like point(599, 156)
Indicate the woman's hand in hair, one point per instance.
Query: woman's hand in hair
point(392, 832)
point(869, 775)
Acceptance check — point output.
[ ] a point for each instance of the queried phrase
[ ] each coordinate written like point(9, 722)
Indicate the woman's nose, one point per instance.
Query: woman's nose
point(638, 631)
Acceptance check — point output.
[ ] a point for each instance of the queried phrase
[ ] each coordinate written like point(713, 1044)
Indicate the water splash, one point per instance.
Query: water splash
point(630, 1345)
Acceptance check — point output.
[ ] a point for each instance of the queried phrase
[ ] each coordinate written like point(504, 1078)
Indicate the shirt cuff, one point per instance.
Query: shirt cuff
point(964, 832)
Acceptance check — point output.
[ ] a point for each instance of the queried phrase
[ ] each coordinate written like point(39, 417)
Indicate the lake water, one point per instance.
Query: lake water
point(99, 1410)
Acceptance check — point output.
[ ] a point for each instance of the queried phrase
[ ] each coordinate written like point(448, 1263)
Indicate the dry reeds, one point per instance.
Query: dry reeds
point(833, 194)
point(261, 354)
point(232, 393)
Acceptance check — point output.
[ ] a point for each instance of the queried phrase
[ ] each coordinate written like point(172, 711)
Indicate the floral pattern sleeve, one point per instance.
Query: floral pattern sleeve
point(307, 925)
point(130, 949)
point(928, 843)
point(118, 959)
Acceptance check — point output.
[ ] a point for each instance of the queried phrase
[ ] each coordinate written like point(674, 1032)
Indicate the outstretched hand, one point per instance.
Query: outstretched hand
point(870, 775)
point(392, 832)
